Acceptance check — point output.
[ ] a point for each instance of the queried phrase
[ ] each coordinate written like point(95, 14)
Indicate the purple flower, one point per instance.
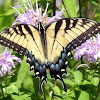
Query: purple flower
point(6, 62)
point(31, 17)
point(91, 48)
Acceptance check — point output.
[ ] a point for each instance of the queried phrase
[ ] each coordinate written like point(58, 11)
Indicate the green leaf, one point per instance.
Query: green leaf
point(95, 81)
point(12, 88)
point(95, 2)
point(97, 17)
point(71, 8)
point(69, 82)
point(57, 97)
point(21, 97)
point(78, 76)
point(87, 82)
point(9, 12)
point(22, 72)
point(15, 97)
point(28, 83)
point(56, 89)
point(5, 6)
point(83, 96)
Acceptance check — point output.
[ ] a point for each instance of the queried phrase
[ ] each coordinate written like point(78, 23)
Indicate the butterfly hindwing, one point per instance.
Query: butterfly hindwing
point(39, 70)
point(63, 36)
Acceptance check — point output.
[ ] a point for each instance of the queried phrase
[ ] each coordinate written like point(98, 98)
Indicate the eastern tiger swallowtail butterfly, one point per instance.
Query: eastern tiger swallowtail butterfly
point(47, 47)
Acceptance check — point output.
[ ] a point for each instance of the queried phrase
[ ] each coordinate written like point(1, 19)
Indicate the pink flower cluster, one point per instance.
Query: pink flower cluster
point(6, 62)
point(91, 48)
point(31, 17)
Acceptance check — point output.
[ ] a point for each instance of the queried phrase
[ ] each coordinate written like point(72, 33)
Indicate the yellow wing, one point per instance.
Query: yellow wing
point(68, 33)
point(21, 38)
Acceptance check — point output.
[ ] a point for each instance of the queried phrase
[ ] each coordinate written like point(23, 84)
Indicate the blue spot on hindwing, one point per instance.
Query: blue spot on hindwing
point(44, 68)
point(57, 67)
point(36, 65)
point(63, 56)
point(64, 50)
point(52, 67)
point(33, 59)
point(48, 63)
point(31, 54)
point(40, 69)
point(60, 62)
point(69, 46)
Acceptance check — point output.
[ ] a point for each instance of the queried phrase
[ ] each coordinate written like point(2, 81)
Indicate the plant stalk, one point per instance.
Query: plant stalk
point(80, 8)
point(66, 9)
point(95, 10)
point(2, 90)
point(98, 91)
point(44, 92)
point(54, 7)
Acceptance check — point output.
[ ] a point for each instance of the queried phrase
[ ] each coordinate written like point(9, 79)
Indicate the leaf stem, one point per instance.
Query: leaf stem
point(66, 9)
point(89, 9)
point(82, 3)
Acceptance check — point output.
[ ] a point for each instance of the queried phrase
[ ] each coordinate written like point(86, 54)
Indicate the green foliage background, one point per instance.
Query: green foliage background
point(82, 83)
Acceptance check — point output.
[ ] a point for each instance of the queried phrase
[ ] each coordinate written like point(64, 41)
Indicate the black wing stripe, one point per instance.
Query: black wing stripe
point(5, 34)
point(16, 31)
point(20, 29)
point(12, 45)
point(86, 22)
point(29, 30)
point(15, 37)
point(57, 27)
point(85, 36)
point(75, 22)
point(67, 24)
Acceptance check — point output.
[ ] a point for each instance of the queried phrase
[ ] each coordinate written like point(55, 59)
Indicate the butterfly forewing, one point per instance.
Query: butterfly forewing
point(21, 38)
point(74, 31)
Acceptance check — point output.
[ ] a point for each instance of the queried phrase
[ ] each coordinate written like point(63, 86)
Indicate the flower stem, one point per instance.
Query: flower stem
point(2, 90)
point(98, 91)
point(95, 10)
point(80, 8)
point(44, 92)
point(66, 9)
point(83, 71)
point(54, 7)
